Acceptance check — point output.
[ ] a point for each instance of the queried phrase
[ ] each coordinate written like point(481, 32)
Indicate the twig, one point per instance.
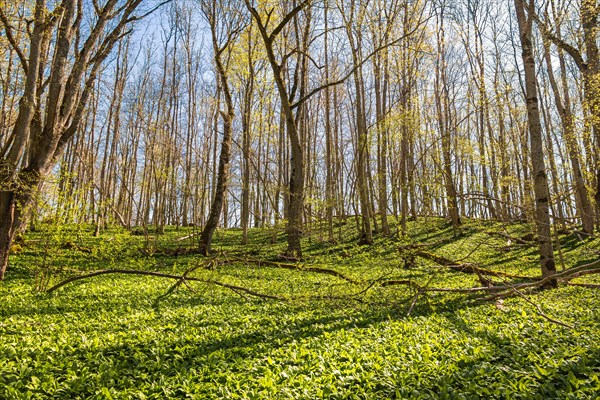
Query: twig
point(542, 313)
point(585, 285)
point(182, 280)
point(419, 292)
point(413, 302)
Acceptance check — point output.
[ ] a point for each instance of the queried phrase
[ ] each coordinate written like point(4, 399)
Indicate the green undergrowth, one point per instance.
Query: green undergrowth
point(123, 336)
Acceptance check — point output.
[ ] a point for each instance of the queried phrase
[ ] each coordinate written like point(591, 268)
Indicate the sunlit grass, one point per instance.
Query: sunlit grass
point(120, 337)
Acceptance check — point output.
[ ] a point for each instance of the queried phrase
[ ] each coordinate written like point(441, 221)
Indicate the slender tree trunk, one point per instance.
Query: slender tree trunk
point(563, 104)
point(246, 128)
point(445, 126)
point(362, 142)
point(329, 183)
point(381, 92)
point(220, 187)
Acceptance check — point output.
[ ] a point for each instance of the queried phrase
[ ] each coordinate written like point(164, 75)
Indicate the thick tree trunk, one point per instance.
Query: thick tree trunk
point(540, 180)
point(296, 205)
point(7, 230)
point(15, 203)
point(220, 188)
point(296, 186)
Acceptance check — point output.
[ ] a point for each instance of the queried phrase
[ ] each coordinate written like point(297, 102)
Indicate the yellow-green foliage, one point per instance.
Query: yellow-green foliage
point(16, 249)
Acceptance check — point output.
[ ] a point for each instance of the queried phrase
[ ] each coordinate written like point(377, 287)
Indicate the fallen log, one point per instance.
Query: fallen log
point(564, 276)
point(468, 268)
point(180, 278)
point(295, 267)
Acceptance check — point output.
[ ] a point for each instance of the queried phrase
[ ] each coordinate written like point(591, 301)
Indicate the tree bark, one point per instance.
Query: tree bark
point(446, 128)
point(220, 190)
point(296, 182)
point(563, 104)
point(540, 180)
point(42, 133)
point(246, 128)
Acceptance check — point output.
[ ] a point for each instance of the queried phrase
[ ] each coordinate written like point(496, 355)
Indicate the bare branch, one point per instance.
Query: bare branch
point(162, 275)
point(288, 17)
point(349, 73)
point(294, 267)
point(541, 312)
point(12, 41)
point(568, 48)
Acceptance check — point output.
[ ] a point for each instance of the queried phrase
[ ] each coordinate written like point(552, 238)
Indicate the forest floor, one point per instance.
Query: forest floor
point(350, 321)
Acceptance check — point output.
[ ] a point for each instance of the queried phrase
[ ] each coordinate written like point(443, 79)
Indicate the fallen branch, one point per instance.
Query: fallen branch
point(500, 291)
point(494, 292)
point(585, 285)
point(180, 278)
point(182, 281)
point(294, 267)
point(565, 277)
point(417, 295)
point(542, 313)
point(468, 268)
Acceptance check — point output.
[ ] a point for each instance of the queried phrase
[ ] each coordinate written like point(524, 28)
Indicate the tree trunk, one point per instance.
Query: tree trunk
point(220, 188)
point(362, 142)
point(563, 104)
point(540, 180)
point(296, 183)
point(329, 182)
point(446, 128)
point(246, 127)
